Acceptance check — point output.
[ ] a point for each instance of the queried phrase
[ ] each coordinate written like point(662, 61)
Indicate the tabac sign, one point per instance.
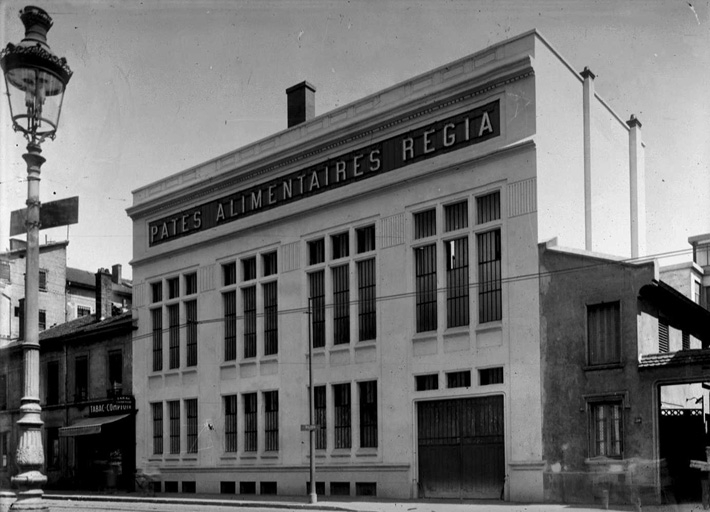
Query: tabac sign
point(445, 135)
point(117, 405)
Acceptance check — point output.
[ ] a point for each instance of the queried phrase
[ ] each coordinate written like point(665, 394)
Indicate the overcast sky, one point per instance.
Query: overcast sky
point(160, 86)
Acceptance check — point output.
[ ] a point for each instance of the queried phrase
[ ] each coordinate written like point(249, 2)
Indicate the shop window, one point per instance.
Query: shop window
point(174, 412)
point(173, 288)
point(191, 332)
point(456, 216)
point(52, 384)
point(606, 429)
point(365, 239)
point(190, 283)
point(489, 376)
point(457, 302)
point(490, 307)
point(268, 488)
point(249, 304)
point(319, 409)
point(191, 413)
point(268, 261)
point(316, 285)
point(229, 301)
point(81, 379)
point(425, 224)
point(157, 409)
point(174, 336)
point(230, 423)
point(368, 414)
point(271, 421)
point(249, 268)
point(458, 379)
point(367, 300)
point(488, 208)
point(603, 336)
point(340, 244)
point(427, 382)
point(157, 331)
point(250, 422)
point(316, 251)
point(271, 318)
point(247, 487)
point(425, 281)
point(342, 419)
point(156, 290)
point(42, 280)
point(227, 487)
point(341, 304)
point(229, 274)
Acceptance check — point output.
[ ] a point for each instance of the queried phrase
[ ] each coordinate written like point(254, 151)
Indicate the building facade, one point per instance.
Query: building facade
point(397, 235)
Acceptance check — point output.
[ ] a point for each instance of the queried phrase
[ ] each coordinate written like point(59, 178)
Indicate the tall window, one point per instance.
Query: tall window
point(174, 411)
point(457, 306)
point(342, 425)
point(191, 332)
point(268, 261)
point(156, 291)
point(173, 288)
point(365, 239)
point(456, 216)
point(603, 336)
point(316, 251)
point(367, 302)
point(52, 383)
point(115, 371)
point(489, 277)
point(271, 319)
point(488, 208)
point(42, 319)
point(229, 273)
point(249, 303)
point(425, 274)
point(319, 408)
point(42, 280)
point(606, 429)
point(191, 413)
point(663, 341)
point(230, 423)
point(174, 335)
point(425, 224)
point(250, 422)
point(368, 414)
point(157, 409)
point(81, 378)
point(229, 300)
point(341, 245)
point(190, 283)
point(249, 268)
point(157, 320)
point(341, 304)
point(271, 421)
point(316, 282)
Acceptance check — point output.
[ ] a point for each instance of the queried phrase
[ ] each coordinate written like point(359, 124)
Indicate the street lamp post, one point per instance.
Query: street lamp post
point(35, 79)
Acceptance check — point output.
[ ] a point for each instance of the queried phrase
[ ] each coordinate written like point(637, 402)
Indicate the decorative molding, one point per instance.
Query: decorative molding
point(522, 197)
point(291, 256)
point(393, 230)
point(139, 295)
point(206, 278)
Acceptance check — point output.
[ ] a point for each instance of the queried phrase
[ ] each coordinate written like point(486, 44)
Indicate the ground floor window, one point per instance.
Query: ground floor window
point(605, 429)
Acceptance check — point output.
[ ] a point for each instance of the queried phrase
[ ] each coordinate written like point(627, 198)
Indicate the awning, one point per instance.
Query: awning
point(88, 426)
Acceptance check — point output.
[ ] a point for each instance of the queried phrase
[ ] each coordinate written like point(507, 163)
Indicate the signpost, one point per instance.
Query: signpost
point(51, 215)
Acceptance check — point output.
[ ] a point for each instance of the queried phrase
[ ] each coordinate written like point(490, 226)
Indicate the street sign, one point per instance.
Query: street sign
point(51, 215)
point(307, 428)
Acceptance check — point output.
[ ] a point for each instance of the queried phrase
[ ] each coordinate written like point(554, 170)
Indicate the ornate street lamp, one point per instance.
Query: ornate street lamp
point(35, 79)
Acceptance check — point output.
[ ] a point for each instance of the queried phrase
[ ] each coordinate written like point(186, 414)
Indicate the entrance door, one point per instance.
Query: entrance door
point(461, 449)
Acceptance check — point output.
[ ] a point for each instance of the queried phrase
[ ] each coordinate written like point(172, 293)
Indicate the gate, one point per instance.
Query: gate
point(461, 448)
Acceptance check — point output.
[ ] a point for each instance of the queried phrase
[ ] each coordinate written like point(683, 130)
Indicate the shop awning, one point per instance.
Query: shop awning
point(88, 426)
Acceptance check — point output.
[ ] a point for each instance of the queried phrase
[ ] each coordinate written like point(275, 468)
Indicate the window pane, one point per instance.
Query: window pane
point(488, 376)
point(157, 409)
point(191, 332)
point(230, 423)
point(489, 277)
point(271, 421)
point(174, 412)
point(191, 411)
point(427, 382)
point(458, 379)
point(603, 336)
point(316, 251)
point(43, 280)
point(456, 216)
point(606, 430)
point(229, 273)
point(173, 288)
point(319, 407)
point(115, 370)
point(190, 283)
point(249, 268)
point(157, 320)
point(249, 300)
point(81, 379)
point(365, 239)
point(341, 401)
point(341, 304)
point(424, 224)
point(269, 264)
point(341, 245)
point(174, 335)
point(271, 320)
point(457, 302)
point(425, 268)
point(488, 208)
point(368, 414)
point(156, 291)
point(317, 306)
point(229, 300)
point(250, 422)
point(367, 303)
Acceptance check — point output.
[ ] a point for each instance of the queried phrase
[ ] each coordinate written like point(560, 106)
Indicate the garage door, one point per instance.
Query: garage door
point(461, 450)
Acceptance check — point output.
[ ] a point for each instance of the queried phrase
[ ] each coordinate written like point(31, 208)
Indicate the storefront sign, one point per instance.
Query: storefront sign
point(120, 404)
point(449, 134)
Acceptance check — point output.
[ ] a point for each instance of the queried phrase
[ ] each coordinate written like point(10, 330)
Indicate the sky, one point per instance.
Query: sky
point(161, 86)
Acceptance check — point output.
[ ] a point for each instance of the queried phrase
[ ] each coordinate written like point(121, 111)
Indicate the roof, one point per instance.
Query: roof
point(85, 325)
point(682, 357)
point(42, 248)
point(86, 279)
point(679, 309)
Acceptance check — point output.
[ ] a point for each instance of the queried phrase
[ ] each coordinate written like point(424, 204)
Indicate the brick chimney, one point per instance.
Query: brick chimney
point(301, 101)
point(103, 294)
point(116, 274)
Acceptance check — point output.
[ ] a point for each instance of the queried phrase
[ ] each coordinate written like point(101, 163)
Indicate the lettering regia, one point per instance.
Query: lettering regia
point(448, 136)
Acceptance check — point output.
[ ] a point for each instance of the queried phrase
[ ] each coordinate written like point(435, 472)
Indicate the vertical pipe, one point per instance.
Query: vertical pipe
point(311, 432)
point(587, 100)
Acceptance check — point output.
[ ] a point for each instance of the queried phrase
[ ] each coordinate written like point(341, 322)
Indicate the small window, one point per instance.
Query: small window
point(603, 336)
point(249, 268)
point(190, 283)
point(488, 376)
point(488, 208)
point(458, 379)
point(247, 487)
point(268, 261)
point(42, 319)
point(424, 224)
point(606, 429)
point(365, 239)
point(427, 382)
point(341, 245)
point(456, 216)
point(43, 280)
point(229, 273)
point(82, 311)
point(316, 251)
point(156, 290)
point(173, 288)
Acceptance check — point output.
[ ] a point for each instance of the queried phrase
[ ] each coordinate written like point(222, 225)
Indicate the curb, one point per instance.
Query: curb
point(203, 501)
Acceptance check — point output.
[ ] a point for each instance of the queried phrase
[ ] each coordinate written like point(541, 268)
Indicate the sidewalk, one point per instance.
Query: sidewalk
point(351, 504)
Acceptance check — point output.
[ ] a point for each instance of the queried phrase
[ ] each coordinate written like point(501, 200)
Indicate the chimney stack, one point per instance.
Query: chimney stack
point(116, 274)
point(587, 104)
point(637, 188)
point(103, 294)
point(301, 102)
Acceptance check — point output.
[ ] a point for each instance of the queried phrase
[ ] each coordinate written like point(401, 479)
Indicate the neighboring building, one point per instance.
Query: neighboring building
point(406, 227)
point(52, 286)
point(86, 397)
point(81, 292)
point(623, 355)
